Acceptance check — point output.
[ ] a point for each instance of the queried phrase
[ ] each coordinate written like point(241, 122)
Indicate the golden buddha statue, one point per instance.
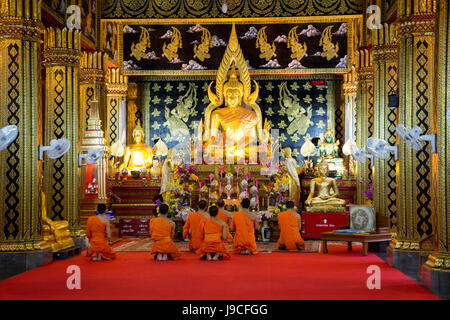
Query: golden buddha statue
point(240, 119)
point(138, 156)
point(323, 195)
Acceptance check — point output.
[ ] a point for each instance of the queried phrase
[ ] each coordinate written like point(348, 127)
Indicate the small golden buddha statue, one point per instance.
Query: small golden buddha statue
point(323, 195)
point(138, 156)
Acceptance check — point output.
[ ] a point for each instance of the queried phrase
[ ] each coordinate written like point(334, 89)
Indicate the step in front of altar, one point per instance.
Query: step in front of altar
point(135, 206)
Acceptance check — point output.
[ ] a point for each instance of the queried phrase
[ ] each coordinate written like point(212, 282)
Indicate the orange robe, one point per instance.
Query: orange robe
point(194, 223)
point(160, 232)
point(244, 238)
point(212, 239)
point(98, 243)
point(224, 217)
point(289, 231)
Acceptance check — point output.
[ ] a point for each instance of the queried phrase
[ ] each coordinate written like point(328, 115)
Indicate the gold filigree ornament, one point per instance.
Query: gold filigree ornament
point(170, 51)
point(330, 50)
point(139, 50)
point(202, 50)
point(298, 49)
point(300, 119)
point(267, 50)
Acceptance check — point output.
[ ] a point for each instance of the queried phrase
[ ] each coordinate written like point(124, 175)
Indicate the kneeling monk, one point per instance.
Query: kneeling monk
point(193, 226)
point(98, 232)
point(290, 223)
point(225, 217)
point(162, 230)
point(244, 223)
point(214, 233)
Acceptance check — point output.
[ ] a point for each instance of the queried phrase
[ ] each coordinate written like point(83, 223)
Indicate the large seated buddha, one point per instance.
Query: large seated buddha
point(234, 129)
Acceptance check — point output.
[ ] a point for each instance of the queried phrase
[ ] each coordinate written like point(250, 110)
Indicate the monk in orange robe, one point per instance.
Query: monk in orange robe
point(98, 233)
point(162, 231)
point(290, 224)
point(214, 232)
point(225, 217)
point(244, 223)
point(193, 226)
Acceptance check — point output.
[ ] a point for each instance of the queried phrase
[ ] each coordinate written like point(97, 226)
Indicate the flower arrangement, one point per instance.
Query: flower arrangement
point(185, 173)
point(184, 213)
point(369, 191)
point(264, 216)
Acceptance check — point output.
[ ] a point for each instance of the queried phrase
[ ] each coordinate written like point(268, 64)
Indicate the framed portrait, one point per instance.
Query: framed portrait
point(362, 217)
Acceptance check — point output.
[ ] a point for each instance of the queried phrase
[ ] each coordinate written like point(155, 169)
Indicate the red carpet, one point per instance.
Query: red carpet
point(337, 275)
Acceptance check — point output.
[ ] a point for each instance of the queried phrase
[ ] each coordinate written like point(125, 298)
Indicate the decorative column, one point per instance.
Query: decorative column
point(416, 176)
point(132, 109)
point(20, 172)
point(385, 52)
point(434, 274)
point(364, 115)
point(93, 71)
point(116, 92)
point(62, 55)
point(349, 89)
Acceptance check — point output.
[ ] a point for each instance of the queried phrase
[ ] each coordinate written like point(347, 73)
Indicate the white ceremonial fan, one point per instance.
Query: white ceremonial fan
point(117, 149)
point(360, 155)
point(91, 157)
point(381, 149)
point(413, 138)
point(56, 149)
point(7, 135)
point(347, 147)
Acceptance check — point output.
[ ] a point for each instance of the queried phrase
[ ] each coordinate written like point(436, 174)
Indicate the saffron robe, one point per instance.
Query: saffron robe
point(289, 231)
point(194, 223)
point(96, 233)
point(224, 217)
point(212, 240)
point(160, 233)
point(244, 238)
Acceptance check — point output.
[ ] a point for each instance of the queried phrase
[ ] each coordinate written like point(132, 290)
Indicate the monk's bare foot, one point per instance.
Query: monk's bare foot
point(165, 258)
point(158, 257)
point(208, 256)
point(245, 252)
point(215, 257)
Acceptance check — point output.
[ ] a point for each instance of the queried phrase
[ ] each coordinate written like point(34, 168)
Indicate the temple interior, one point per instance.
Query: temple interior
point(339, 106)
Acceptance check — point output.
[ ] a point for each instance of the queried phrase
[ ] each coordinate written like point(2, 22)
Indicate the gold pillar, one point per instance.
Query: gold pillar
point(131, 111)
point(93, 71)
point(416, 183)
point(385, 52)
point(20, 35)
point(349, 90)
point(62, 54)
point(364, 115)
point(440, 259)
point(116, 92)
